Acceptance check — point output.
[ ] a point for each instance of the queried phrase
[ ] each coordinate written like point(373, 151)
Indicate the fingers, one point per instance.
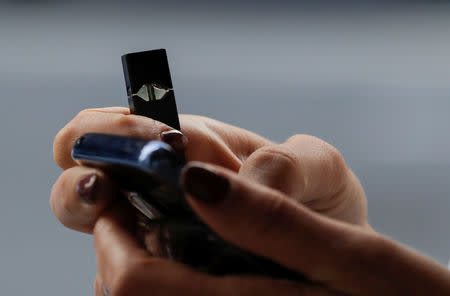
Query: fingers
point(126, 269)
point(80, 195)
point(312, 172)
point(270, 224)
point(303, 166)
point(219, 143)
point(254, 217)
point(109, 120)
point(209, 140)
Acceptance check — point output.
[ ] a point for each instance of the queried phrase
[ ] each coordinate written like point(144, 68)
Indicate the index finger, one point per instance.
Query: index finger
point(113, 120)
point(209, 140)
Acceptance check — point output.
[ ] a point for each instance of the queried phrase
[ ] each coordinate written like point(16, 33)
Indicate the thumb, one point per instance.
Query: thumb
point(311, 172)
point(303, 167)
point(268, 223)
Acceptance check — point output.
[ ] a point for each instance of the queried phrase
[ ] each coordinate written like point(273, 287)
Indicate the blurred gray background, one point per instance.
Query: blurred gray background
point(371, 78)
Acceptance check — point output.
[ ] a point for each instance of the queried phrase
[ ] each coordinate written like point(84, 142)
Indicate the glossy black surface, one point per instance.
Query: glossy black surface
point(150, 68)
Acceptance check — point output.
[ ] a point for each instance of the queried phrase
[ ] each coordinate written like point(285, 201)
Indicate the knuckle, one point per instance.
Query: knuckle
point(126, 122)
point(82, 116)
point(328, 158)
point(83, 113)
point(279, 168)
point(135, 126)
point(276, 154)
point(66, 136)
point(274, 160)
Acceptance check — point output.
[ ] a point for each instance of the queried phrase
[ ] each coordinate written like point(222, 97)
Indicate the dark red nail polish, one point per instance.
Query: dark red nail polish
point(86, 187)
point(175, 139)
point(205, 185)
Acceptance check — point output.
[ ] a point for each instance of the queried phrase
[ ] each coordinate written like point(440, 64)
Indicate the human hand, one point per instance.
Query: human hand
point(336, 257)
point(305, 168)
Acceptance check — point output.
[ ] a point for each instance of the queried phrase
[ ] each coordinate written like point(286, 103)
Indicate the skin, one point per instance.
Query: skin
point(300, 204)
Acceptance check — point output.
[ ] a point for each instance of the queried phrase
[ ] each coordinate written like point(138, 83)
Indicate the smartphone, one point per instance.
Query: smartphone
point(149, 173)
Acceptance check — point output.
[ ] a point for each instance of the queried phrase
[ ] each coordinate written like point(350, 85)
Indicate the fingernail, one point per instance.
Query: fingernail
point(86, 187)
point(175, 139)
point(106, 291)
point(204, 184)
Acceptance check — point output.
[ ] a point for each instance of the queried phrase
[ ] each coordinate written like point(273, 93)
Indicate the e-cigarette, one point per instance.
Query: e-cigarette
point(149, 171)
point(148, 174)
point(149, 86)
